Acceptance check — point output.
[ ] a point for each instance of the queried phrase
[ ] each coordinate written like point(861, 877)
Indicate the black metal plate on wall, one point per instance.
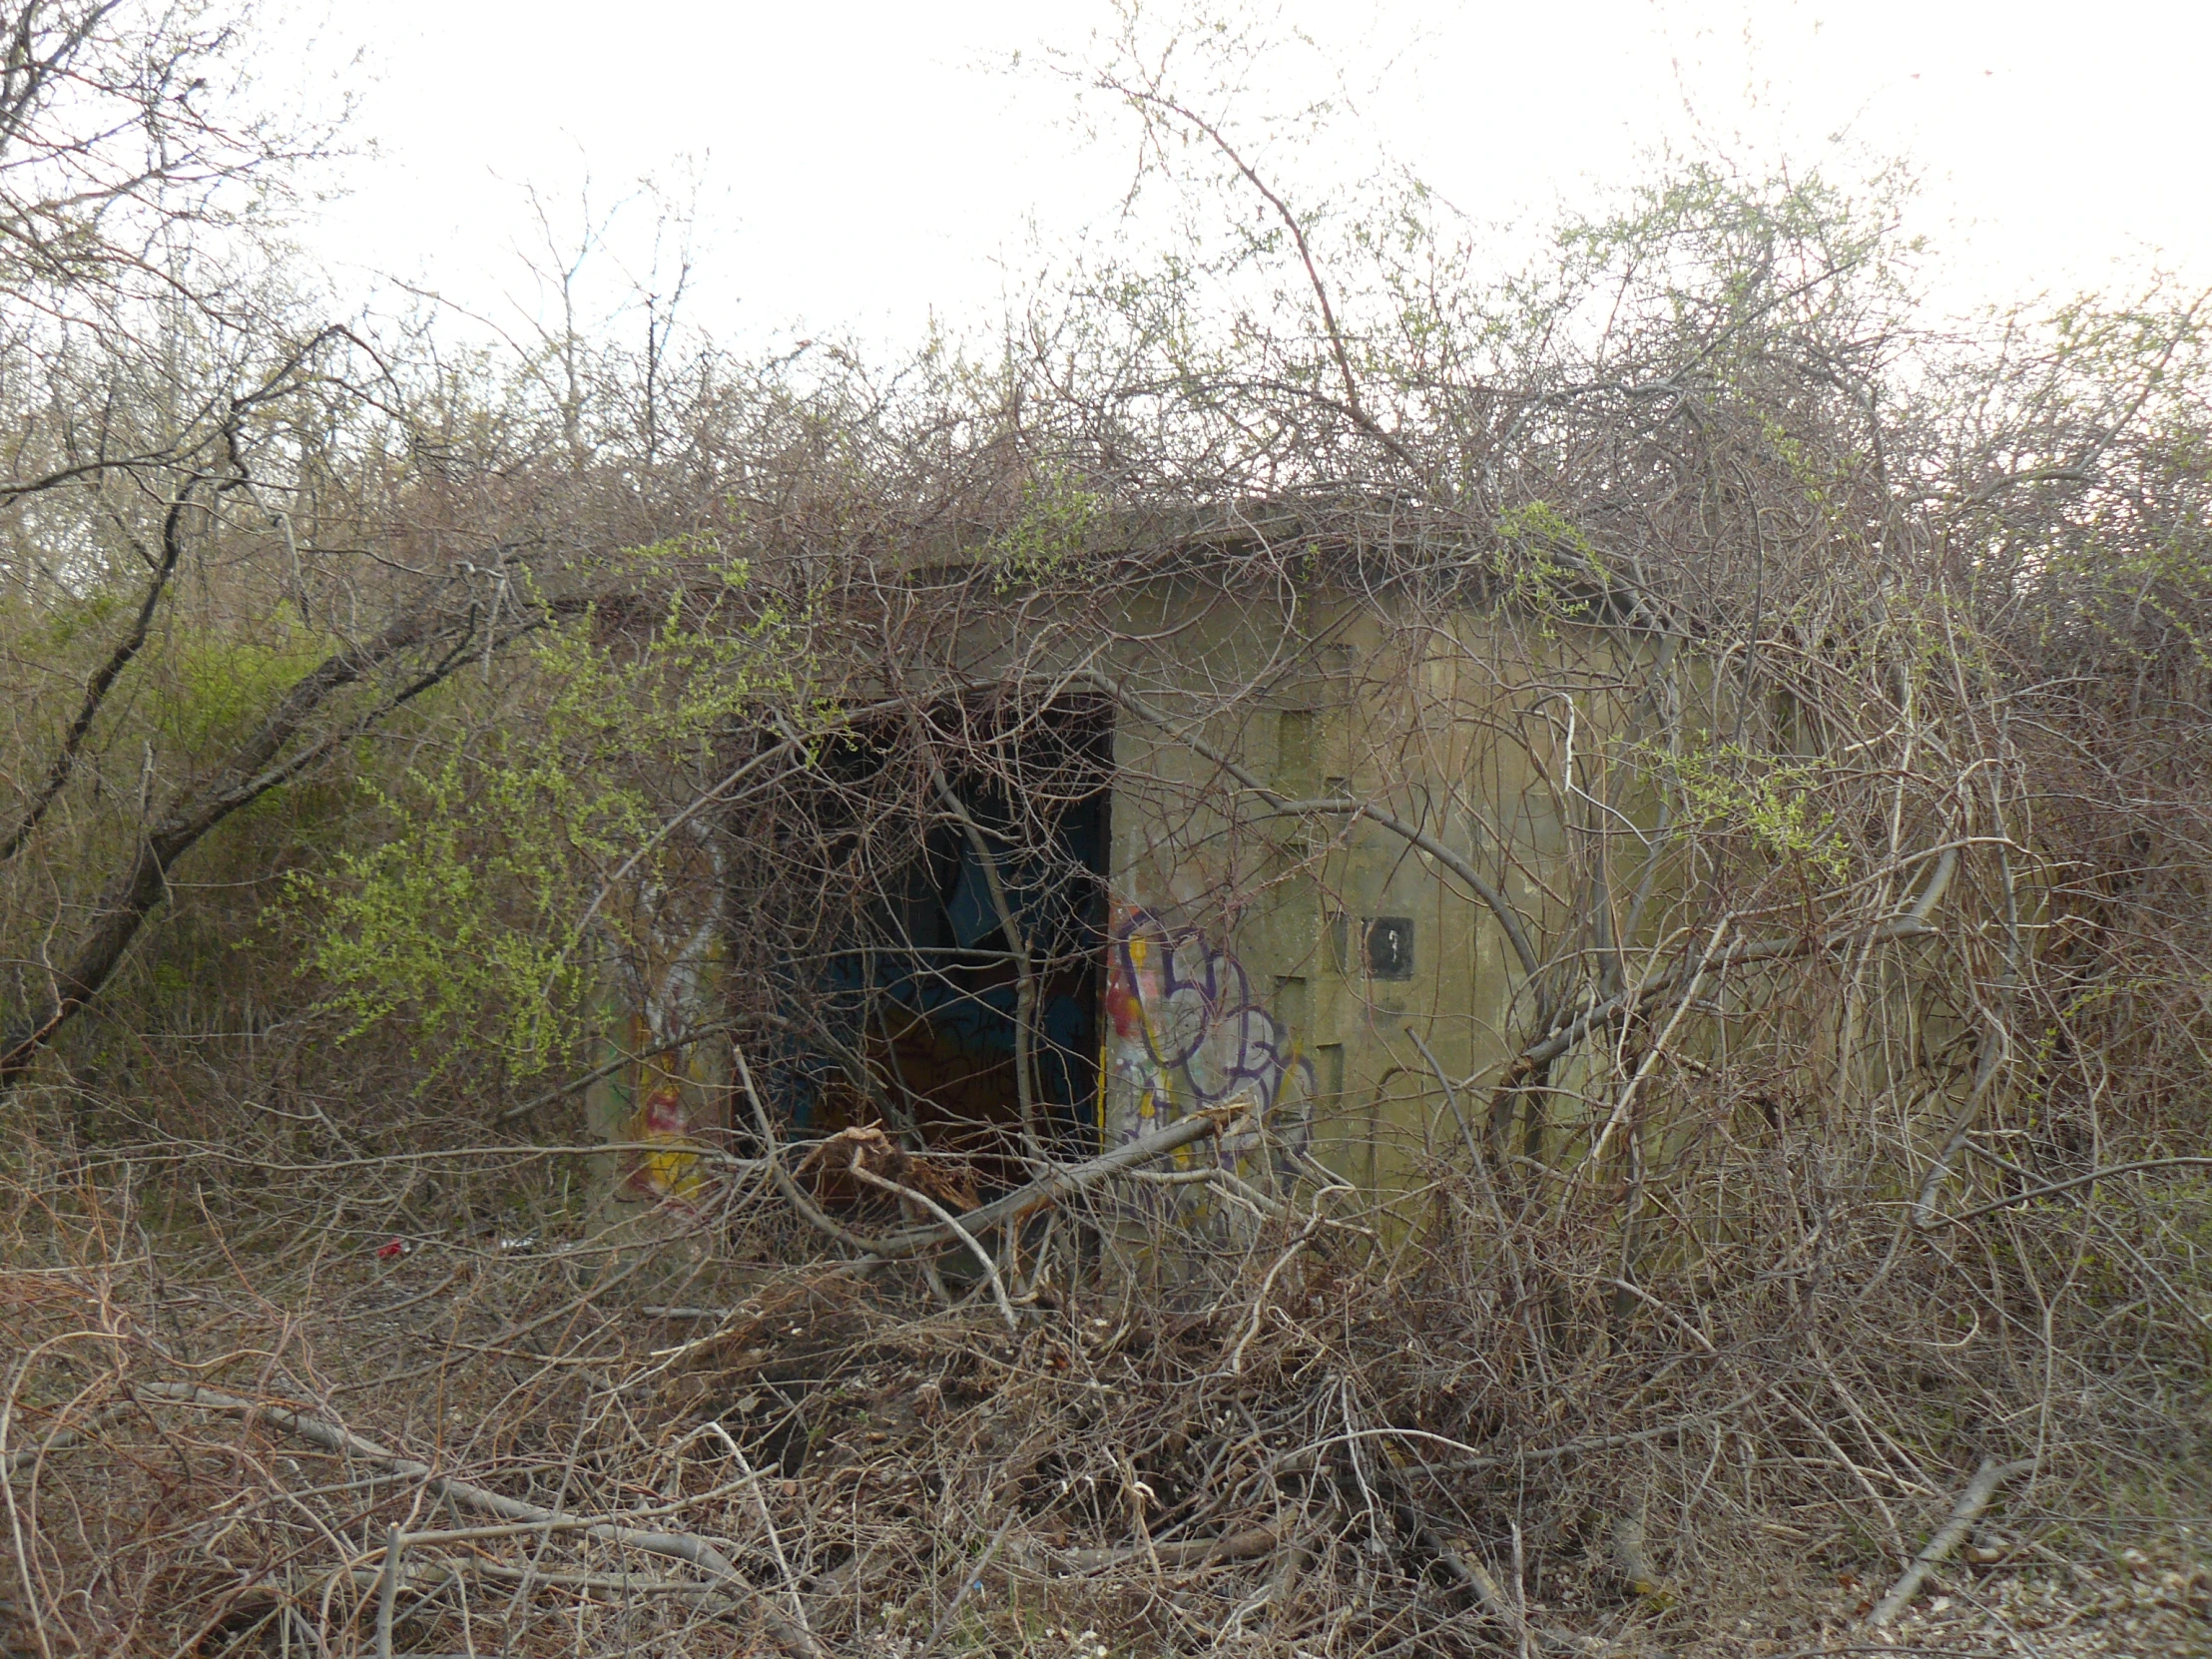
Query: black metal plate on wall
point(1390, 948)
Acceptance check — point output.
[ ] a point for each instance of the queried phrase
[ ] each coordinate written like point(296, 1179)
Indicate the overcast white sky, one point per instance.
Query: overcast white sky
point(865, 165)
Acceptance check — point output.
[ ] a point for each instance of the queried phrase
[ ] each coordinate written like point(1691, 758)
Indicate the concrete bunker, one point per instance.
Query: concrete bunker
point(1261, 847)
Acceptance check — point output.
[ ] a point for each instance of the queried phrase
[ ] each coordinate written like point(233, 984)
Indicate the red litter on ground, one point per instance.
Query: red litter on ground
point(385, 1251)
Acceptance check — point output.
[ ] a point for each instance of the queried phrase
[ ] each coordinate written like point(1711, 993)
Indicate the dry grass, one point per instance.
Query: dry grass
point(1420, 1446)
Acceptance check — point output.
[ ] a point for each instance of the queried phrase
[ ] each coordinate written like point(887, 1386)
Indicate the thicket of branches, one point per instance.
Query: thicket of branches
point(379, 727)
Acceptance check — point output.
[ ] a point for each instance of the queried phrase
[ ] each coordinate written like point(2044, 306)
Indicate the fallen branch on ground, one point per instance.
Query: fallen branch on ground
point(1971, 1502)
point(1048, 1188)
point(62, 1438)
point(682, 1546)
point(1061, 1184)
point(1247, 1545)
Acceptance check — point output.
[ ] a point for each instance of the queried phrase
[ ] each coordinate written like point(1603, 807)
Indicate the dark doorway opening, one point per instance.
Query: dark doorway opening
point(929, 985)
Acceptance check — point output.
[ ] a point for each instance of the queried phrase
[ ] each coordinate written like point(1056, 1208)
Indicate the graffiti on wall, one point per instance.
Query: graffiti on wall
point(668, 985)
point(1184, 1032)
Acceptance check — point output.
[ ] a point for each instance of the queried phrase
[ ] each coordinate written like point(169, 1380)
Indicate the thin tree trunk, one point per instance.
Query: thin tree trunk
point(251, 771)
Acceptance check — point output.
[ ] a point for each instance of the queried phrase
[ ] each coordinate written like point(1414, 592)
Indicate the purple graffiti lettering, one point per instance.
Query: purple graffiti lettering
point(1185, 1032)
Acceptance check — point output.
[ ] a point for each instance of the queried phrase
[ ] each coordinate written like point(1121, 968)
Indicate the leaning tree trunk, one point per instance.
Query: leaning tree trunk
point(256, 766)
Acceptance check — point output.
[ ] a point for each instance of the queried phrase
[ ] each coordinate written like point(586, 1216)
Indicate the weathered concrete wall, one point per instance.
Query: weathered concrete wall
point(1256, 949)
point(665, 985)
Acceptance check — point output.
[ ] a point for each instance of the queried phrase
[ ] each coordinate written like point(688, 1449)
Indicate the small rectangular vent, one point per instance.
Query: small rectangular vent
point(1390, 954)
